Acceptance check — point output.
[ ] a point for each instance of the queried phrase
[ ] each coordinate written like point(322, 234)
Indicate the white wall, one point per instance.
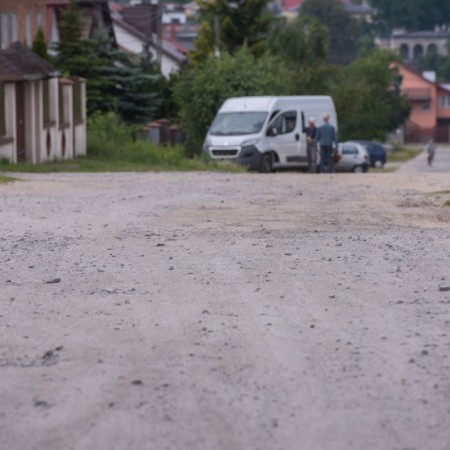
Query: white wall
point(10, 150)
point(44, 142)
point(79, 130)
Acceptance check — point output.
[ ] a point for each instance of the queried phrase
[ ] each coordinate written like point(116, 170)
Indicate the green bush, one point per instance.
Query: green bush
point(109, 138)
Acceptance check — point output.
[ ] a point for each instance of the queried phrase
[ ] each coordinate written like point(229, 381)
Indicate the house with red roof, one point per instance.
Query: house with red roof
point(430, 100)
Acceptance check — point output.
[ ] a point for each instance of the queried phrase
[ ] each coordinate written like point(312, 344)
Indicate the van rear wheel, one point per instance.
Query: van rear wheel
point(266, 165)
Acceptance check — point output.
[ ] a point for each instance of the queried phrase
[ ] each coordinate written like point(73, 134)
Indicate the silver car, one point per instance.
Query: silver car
point(352, 157)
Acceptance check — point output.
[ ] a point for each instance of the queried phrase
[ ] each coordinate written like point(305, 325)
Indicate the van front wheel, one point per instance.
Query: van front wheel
point(266, 163)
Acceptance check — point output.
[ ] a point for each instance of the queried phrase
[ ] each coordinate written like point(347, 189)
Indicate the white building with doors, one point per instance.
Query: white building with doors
point(42, 116)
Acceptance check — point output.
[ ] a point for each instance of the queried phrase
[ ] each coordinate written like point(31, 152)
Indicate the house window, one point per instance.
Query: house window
point(426, 106)
point(445, 101)
point(404, 52)
point(418, 52)
point(4, 30)
point(2, 110)
point(14, 30)
point(38, 19)
point(28, 29)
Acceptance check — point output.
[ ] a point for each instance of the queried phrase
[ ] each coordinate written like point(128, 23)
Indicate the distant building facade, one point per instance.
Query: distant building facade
point(20, 20)
point(413, 46)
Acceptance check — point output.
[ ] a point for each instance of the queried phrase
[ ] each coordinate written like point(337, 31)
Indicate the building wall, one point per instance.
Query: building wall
point(79, 129)
point(443, 104)
point(44, 141)
point(411, 48)
point(20, 20)
point(8, 147)
point(412, 83)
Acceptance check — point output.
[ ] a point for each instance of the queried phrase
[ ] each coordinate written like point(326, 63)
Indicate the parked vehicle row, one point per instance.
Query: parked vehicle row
point(377, 152)
point(268, 133)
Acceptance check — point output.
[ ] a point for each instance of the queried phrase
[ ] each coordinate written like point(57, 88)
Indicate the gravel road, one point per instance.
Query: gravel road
point(204, 311)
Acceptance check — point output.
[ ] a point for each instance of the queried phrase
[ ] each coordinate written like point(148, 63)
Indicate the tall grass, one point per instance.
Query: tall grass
point(403, 154)
point(4, 179)
point(112, 142)
point(110, 139)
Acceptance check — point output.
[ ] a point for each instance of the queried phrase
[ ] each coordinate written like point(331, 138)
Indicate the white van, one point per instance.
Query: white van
point(265, 133)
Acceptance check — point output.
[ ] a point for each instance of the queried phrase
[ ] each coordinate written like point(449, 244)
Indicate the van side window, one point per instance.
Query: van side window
point(285, 123)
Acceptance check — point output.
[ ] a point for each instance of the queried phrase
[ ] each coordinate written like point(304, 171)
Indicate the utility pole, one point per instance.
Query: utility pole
point(159, 10)
point(216, 37)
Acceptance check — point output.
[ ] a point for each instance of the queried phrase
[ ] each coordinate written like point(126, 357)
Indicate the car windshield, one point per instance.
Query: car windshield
point(237, 123)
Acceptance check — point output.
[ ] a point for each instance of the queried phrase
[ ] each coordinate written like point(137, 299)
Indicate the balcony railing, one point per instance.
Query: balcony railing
point(418, 94)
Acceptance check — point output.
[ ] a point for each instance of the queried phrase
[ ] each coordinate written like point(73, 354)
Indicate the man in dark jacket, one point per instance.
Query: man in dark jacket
point(327, 139)
point(311, 146)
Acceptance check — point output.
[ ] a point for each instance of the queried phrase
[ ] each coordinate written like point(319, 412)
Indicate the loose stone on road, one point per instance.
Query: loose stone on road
point(203, 311)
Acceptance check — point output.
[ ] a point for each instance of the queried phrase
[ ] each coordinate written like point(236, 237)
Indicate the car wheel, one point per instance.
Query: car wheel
point(358, 169)
point(266, 163)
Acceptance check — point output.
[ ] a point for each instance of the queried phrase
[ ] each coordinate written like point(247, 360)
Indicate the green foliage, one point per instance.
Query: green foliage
point(240, 22)
point(115, 82)
point(4, 179)
point(39, 46)
point(168, 109)
point(77, 57)
point(302, 45)
point(342, 28)
point(303, 41)
point(411, 14)
point(403, 154)
point(199, 92)
point(134, 90)
point(110, 140)
point(368, 98)
point(203, 44)
point(437, 63)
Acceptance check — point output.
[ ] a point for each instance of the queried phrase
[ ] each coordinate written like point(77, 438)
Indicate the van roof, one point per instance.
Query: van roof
point(267, 103)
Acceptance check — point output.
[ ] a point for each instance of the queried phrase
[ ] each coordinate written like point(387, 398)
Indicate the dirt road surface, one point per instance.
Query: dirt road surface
point(205, 311)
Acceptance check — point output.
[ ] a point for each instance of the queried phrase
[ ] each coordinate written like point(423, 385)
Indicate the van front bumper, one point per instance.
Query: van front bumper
point(249, 157)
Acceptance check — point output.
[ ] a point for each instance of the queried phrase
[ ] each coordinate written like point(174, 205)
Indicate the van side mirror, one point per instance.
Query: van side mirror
point(272, 131)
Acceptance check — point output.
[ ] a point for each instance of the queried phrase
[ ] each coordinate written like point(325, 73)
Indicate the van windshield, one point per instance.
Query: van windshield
point(236, 123)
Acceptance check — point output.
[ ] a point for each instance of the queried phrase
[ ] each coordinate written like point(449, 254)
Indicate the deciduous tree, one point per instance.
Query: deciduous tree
point(412, 14)
point(368, 98)
point(199, 92)
point(239, 22)
point(343, 30)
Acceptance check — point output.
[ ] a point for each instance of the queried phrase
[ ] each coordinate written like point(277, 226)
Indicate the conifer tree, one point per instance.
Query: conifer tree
point(115, 82)
point(39, 46)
